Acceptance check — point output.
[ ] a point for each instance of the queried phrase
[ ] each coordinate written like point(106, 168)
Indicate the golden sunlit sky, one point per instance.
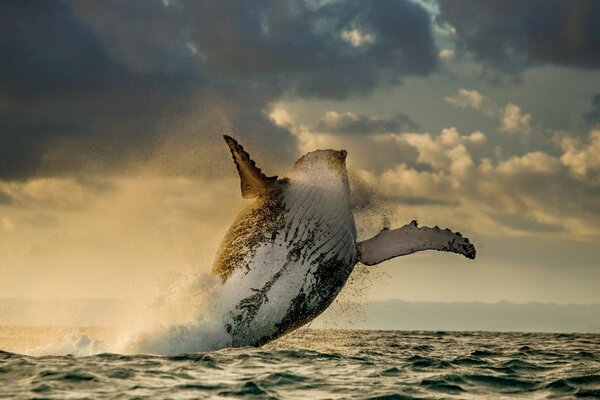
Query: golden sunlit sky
point(481, 116)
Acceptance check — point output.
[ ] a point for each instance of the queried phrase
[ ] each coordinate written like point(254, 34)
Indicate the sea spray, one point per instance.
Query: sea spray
point(76, 344)
point(188, 318)
point(186, 315)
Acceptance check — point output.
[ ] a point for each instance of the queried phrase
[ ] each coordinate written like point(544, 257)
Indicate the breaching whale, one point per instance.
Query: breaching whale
point(291, 250)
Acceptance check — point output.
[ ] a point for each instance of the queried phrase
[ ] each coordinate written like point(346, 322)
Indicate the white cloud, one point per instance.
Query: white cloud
point(333, 118)
point(349, 123)
point(406, 181)
point(528, 194)
point(534, 162)
point(457, 178)
point(512, 119)
point(357, 38)
point(582, 159)
point(281, 116)
point(447, 151)
point(477, 137)
point(467, 98)
point(446, 53)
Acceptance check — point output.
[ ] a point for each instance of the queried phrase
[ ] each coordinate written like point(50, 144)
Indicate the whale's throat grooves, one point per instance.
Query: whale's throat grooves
point(256, 224)
point(286, 258)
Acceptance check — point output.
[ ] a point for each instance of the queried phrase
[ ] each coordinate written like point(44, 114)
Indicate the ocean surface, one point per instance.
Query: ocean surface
point(328, 364)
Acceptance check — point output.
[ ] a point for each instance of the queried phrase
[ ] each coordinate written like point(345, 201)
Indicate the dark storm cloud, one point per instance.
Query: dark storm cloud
point(305, 44)
point(97, 84)
point(593, 116)
point(351, 124)
point(58, 85)
point(510, 35)
point(46, 49)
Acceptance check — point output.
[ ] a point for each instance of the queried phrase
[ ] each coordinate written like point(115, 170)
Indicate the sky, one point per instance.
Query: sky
point(479, 116)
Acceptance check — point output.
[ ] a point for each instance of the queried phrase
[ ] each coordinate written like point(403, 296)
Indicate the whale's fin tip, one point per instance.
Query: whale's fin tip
point(409, 239)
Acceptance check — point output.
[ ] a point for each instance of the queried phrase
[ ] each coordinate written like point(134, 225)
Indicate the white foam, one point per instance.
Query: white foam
point(75, 344)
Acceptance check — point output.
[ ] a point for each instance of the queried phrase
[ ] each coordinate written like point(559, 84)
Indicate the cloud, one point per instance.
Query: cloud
point(5, 198)
point(472, 98)
point(582, 160)
point(511, 117)
point(61, 89)
point(99, 88)
point(349, 123)
point(377, 153)
point(327, 49)
point(513, 35)
point(535, 187)
point(358, 38)
point(592, 117)
point(460, 179)
point(53, 193)
point(535, 162)
point(514, 120)
point(446, 53)
point(346, 130)
point(464, 179)
point(447, 151)
point(528, 194)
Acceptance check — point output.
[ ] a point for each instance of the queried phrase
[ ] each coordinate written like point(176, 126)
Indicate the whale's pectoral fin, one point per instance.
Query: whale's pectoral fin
point(409, 239)
point(253, 182)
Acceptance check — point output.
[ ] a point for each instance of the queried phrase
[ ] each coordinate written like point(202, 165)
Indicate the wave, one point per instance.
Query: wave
point(327, 364)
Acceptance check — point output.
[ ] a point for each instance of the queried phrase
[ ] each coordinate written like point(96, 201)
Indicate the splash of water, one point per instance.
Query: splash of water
point(76, 344)
point(185, 317)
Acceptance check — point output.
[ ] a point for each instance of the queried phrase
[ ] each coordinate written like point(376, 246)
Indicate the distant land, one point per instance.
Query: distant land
point(475, 316)
point(387, 315)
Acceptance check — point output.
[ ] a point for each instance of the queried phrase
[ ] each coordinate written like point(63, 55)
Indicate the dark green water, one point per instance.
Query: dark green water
point(329, 365)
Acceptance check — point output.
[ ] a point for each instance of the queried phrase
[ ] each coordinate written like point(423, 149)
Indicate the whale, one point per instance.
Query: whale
point(290, 251)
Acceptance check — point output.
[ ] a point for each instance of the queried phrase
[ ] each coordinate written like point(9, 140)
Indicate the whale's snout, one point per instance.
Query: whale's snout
point(315, 161)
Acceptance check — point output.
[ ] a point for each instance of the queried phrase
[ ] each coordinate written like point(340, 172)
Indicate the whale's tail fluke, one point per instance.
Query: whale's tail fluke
point(409, 239)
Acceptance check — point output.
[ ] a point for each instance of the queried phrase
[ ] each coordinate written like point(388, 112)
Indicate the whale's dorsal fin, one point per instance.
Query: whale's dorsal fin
point(253, 182)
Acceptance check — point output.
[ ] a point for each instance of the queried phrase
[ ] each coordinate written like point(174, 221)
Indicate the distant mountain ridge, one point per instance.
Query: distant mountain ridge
point(387, 315)
point(469, 316)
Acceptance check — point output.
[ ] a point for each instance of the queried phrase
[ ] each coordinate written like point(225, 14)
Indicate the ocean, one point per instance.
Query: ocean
point(326, 364)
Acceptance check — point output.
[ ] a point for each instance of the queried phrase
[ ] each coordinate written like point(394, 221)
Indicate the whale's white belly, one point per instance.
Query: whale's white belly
point(295, 273)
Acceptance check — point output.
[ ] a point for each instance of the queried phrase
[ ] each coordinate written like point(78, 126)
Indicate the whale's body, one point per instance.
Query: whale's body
point(290, 252)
